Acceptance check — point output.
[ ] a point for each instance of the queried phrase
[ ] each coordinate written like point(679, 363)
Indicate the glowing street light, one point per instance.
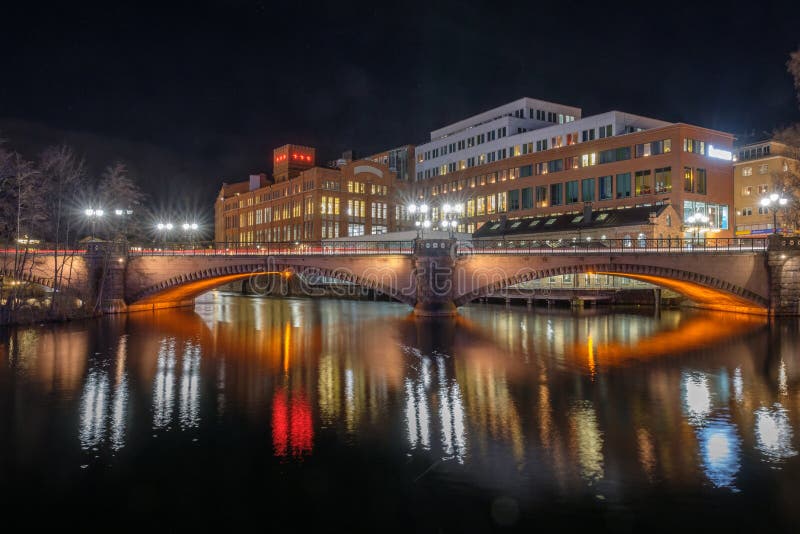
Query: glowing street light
point(164, 228)
point(419, 211)
point(775, 202)
point(93, 214)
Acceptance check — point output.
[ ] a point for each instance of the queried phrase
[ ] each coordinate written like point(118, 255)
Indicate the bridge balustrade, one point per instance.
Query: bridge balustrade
point(303, 248)
point(615, 246)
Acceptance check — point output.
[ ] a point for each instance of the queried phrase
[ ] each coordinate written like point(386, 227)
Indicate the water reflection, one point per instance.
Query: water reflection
point(774, 434)
point(526, 402)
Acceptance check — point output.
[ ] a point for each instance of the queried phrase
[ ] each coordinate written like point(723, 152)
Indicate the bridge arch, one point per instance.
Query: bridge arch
point(186, 287)
point(707, 291)
point(28, 277)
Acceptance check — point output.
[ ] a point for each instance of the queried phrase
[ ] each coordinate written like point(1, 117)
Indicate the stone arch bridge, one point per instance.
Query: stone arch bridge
point(434, 276)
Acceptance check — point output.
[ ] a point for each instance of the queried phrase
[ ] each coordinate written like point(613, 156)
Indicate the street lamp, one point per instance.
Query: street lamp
point(164, 228)
point(189, 229)
point(450, 214)
point(420, 215)
point(93, 214)
point(124, 215)
point(775, 202)
point(697, 223)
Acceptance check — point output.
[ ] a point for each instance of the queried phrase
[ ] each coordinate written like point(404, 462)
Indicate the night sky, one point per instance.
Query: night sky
point(194, 93)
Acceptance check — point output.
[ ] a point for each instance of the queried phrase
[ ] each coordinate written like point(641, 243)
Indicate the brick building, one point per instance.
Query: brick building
point(305, 202)
point(757, 173)
point(552, 162)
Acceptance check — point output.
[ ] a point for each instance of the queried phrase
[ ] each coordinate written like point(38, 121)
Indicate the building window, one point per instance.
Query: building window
point(747, 171)
point(624, 185)
point(572, 192)
point(513, 200)
point(663, 180)
point(502, 202)
point(688, 180)
point(763, 189)
point(525, 171)
point(694, 146)
point(605, 184)
point(541, 196)
point(763, 168)
point(747, 191)
point(642, 183)
point(587, 189)
point(527, 198)
point(354, 229)
point(701, 181)
point(556, 194)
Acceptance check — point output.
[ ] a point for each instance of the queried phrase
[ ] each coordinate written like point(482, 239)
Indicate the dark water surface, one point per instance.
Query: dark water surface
point(290, 414)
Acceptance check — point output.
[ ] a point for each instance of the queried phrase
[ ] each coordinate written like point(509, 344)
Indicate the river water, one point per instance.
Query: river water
point(292, 413)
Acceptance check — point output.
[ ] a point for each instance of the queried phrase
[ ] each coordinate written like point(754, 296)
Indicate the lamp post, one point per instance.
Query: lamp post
point(164, 228)
point(123, 216)
point(189, 229)
point(775, 202)
point(450, 217)
point(93, 214)
point(697, 223)
point(420, 214)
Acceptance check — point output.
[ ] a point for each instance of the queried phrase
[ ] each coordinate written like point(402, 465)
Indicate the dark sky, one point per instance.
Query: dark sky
point(193, 93)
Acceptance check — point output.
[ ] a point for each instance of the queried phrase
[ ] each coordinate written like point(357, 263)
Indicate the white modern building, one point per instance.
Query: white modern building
point(520, 127)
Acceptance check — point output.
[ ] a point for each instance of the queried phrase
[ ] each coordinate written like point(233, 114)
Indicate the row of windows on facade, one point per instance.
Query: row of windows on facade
point(329, 206)
point(754, 152)
point(305, 231)
point(542, 168)
point(623, 185)
point(760, 189)
point(352, 187)
point(762, 169)
point(612, 155)
point(748, 211)
point(542, 144)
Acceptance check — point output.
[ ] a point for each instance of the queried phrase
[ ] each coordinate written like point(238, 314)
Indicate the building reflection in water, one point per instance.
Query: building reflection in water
point(587, 440)
point(292, 424)
point(582, 403)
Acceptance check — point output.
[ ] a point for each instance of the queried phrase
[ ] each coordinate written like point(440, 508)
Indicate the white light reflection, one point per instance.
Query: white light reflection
point(738, 385)
point(164, 384)
point(696, 397)
point(774, 433)
point(720, 450)
point(93, 409)
point(119, 404)
point(451, 414)
point(189, 401)
point(783, 381)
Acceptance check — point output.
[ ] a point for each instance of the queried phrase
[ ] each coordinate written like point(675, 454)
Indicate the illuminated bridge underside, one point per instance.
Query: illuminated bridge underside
point(714, 282)
point(705, 296)
point(181, 289)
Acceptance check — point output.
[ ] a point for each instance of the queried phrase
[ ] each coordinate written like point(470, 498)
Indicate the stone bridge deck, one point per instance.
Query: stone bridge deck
point(437, 275)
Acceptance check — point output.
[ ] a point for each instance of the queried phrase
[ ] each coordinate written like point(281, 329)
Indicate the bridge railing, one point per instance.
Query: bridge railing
point(303, 248)
point(615, 246)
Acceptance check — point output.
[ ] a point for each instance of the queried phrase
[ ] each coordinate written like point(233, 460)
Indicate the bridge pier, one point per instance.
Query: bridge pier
point(107, 264)
point(783, 261)
point(434, 267)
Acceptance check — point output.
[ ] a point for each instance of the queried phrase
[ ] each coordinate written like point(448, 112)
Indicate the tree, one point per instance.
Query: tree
point(121, 198)
point(788, 178)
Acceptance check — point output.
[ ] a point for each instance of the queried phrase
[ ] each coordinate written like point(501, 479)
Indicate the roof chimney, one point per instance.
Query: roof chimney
point(587, 212)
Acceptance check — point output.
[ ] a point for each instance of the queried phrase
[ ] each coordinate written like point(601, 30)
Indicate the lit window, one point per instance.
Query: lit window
point(550, 221)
